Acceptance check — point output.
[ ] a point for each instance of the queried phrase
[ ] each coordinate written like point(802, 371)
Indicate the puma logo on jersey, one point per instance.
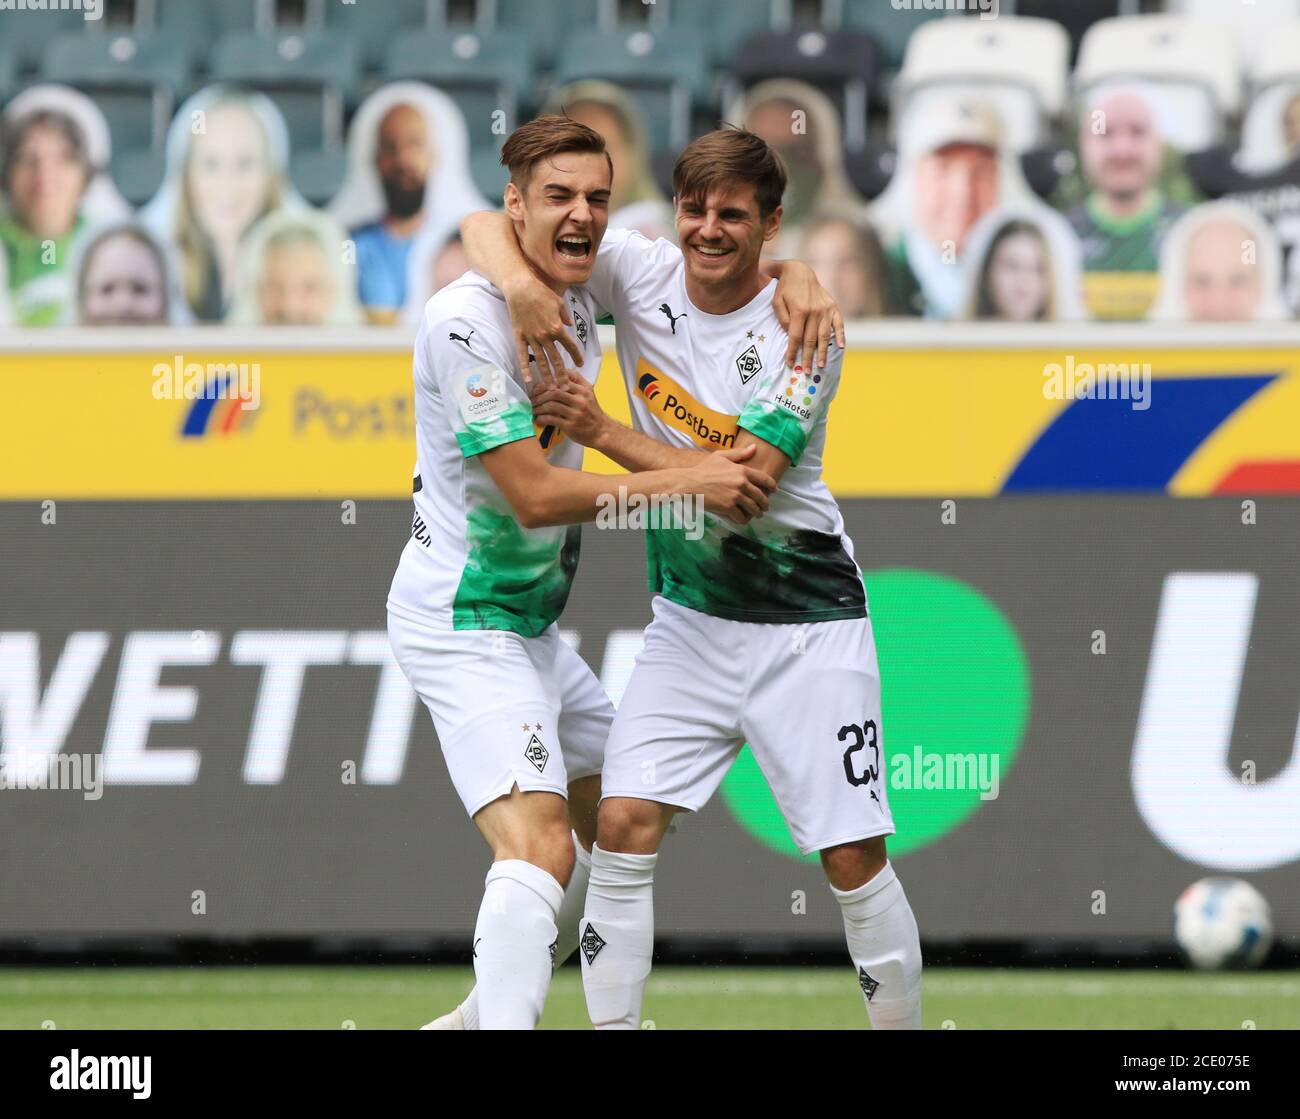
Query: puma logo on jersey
point(672, 319)
point(452, 336)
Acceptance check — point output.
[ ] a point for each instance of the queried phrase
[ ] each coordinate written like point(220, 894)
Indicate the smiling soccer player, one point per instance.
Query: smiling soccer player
point(487, 570)
point(760, 632)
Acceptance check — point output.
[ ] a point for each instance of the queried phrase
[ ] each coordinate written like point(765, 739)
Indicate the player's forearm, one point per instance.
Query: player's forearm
point(772, 269)
point(634, 451)
point(566, 497)
point(492, 249)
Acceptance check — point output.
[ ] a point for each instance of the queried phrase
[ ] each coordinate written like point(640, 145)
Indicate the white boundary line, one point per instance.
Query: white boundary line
point(999, 983)
point(900, 334)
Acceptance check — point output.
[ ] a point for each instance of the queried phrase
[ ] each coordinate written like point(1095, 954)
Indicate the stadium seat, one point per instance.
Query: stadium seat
point(891, 27)
point(871, 169)
point(542, 24)
point(318, 173)
point(121, 14)
point(135, 80)
point(25, 34)
point(1274, 81)
point(1044, 168)
point(724, 25)
point(844, 64)
point(489, 176)
point(118, 60)
point(667, 70)
point(8, 70)
point(1075, 17)
point(1279, 61)
point(138, 173)
point(373, 27)
point(202, 23)
point(481, 72)
point(1195, 64)
point(625, 15)
point(1019, 65)
point(308, 76)
point(1251, 25)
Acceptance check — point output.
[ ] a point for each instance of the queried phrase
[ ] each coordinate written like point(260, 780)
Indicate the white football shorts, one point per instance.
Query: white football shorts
point(509, 710)
point(806, 697)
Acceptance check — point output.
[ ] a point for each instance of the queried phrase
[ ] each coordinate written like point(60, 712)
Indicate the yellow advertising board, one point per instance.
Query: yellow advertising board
point(907, 422)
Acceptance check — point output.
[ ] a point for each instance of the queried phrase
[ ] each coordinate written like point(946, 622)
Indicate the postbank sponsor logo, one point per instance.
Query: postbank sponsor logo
point(679, 410)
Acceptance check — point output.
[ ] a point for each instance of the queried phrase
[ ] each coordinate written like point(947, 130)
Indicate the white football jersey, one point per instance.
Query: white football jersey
point(469, 564)
point(693, 379)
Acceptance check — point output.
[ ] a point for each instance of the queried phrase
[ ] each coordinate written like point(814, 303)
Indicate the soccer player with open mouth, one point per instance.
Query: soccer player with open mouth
point(487, 570)
point(760, 632)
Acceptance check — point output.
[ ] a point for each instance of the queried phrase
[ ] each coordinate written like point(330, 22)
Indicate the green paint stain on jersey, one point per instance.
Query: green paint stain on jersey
point(799, 576)
point(514, 578)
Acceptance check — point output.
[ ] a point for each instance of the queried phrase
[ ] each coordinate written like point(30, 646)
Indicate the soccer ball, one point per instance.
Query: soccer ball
point(1223, 922)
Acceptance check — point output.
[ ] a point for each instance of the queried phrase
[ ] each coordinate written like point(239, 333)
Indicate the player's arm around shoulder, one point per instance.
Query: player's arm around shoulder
point(465, 361)
point(806, 311)
point(539, 316)
point(785, 409)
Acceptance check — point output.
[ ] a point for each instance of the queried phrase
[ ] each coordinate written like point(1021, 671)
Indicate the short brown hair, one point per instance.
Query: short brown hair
point(56, 121)
point(544, 137)
point(730, 155)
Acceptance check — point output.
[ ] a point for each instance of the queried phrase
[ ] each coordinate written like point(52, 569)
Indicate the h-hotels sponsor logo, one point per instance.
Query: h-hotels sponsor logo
point(799, 392)
point(677, 408)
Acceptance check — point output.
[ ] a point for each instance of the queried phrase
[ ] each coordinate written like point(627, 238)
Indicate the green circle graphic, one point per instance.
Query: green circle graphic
point(955, 683)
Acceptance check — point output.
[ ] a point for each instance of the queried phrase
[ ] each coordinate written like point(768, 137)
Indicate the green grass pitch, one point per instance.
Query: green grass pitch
point(677, 998)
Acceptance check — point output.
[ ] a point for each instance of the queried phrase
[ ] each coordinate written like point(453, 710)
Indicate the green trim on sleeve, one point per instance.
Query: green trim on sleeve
point(515, 423)
point(782, 430)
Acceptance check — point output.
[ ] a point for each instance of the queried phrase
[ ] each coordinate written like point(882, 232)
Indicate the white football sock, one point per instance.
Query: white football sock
point(512, 944)
point(886, 950)
point(566, 923)
point(569, 921)
point(618, 935)
point(469, 1010)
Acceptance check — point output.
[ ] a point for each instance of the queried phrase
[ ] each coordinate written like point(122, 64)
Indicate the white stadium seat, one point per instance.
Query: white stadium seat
point(1279, 61)
point(1019, 64)
point(1252, 24)
point(1274, 81)
point(1195, 65)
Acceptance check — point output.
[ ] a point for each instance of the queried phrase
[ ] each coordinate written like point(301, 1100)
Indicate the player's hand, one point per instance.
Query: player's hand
point(729, 488)
point(808, 314)
point(539, 317)
point(570, 404)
